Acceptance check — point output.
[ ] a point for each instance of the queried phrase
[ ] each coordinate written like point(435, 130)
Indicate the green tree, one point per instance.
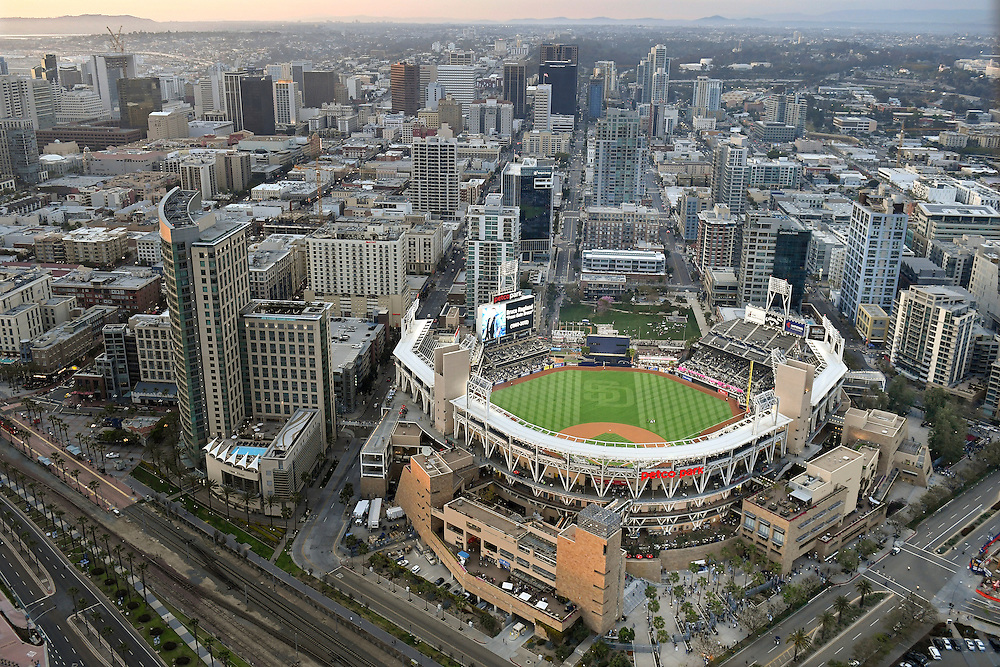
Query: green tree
point(901, 396)
point(840, 605)
point(865, 588)
point(935, 399)
point(827, 621)
point(947, 436)
point(620, 659)
point(848, 559)
point(800, 640)
point(626, 635)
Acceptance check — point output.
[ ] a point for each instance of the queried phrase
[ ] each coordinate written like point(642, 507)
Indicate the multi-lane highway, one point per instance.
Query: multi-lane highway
point(51, 611)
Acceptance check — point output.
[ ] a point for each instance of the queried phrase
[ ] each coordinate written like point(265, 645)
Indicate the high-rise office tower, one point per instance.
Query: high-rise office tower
point(595, 97)
point(31, 99)
point(707, 95)
point(729, 176)
point(515, 87)
point(931, 333)
point(137, 98)
point(541, 107)
point(450, 112)
point(107, 69)
point(607, 70)
point(494, 243)
point(249, 100)
point(19, 150)
point(321, 88)
point(619, 159)
point(653, 75)
point(404, 84)
point(4, 70)
point(875, 241)
point(299, 68)
point(48, 70)
point(435, 178)
point(459, 81)
point(562, 77)
point(528, 186)
point(772, 246)
point(559, 52)
point(206, 287)
point(286, 103)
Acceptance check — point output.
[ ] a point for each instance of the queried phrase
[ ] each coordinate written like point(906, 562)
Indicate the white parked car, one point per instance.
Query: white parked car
point(112, 455)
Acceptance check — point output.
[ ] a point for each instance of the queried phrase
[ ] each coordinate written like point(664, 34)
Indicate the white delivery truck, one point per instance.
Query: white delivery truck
point(360, 510)
point(394, 513)
point(375, 514)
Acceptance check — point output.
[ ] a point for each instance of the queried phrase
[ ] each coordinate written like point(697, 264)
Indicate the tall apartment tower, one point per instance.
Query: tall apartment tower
point(206, 286)
point(435, 178)
point(653, 75)
point(515, 89)
point(494, 245)
point(874, 247)
point(707, 95)
point(541, 107)
point(19, 150)
point(528, 186)
point(287, 103)
point(29, 99)
point(730, 175)
point(930, 336)
point(788, 109)
point(772, 246)
point(48, 69)
point(404, 84)
point(607, 70)
point(718, 243)
point(555, 52)
point(620, 159)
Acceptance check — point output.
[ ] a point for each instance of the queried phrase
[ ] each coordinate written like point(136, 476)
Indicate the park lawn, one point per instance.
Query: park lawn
point(641, 322)
point(654, 402)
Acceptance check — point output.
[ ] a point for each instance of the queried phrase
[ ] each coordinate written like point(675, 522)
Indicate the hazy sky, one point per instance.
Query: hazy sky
point(186, 10)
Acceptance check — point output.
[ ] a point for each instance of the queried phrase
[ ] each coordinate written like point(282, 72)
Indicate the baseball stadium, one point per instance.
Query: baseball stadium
point(670, 448)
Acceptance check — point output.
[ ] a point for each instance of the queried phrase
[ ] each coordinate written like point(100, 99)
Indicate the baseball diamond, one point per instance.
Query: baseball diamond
point(645, 403)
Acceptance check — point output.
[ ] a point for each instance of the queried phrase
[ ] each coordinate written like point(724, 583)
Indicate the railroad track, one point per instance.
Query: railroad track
point(310, 636)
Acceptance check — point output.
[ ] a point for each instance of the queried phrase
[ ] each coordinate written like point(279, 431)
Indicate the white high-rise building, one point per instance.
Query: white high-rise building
point(494, 245)
point(620, 159)
point(930, 335)
point(730, 176)
point(707, 95)
point(81, 105)
point(30, 99)
point(434, 182)
point(607, 70)
point(107, 69)
point(459, 81)
point(655, 63)
point(206, 286)
point(491, 117)
point(874, 247)
point(287, 102)
point(542, 107)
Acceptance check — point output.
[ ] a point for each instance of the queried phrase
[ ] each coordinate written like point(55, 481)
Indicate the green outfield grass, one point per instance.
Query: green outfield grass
point(570, 397)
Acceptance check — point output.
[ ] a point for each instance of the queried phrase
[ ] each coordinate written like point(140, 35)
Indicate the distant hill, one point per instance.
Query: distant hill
point(86, 24)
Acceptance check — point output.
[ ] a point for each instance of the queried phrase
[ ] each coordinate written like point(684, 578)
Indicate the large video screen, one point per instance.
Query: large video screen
point(495, 321)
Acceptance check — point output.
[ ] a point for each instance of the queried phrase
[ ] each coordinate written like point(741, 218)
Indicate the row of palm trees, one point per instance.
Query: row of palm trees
point(801, 640)
point(270, 501)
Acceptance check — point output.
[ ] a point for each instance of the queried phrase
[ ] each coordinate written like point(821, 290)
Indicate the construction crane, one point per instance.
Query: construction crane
point(117, 41)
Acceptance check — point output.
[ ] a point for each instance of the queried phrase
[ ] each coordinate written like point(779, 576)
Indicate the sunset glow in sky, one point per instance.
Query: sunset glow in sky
point(194, 10)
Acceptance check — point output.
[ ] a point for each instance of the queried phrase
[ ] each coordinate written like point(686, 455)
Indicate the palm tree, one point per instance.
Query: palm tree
point(224, 656)
point(93, 485)
point(212, 485)
point(841, 604)
point(143, 566)
point(246, 497)
point(107, 552)
point(800, 640)
point(209, 642)
point(56, 459)
point(194, 629)
point(865, 588)
point(73, 591)
point(75, 474)
point(286, 514)
point(827, 620)
point(271, 500)
point(227, 492)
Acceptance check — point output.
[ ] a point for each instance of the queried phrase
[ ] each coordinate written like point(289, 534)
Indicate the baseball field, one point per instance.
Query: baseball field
point(615, 405)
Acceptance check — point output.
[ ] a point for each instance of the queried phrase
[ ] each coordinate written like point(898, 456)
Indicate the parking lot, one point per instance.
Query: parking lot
point(956, 650)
